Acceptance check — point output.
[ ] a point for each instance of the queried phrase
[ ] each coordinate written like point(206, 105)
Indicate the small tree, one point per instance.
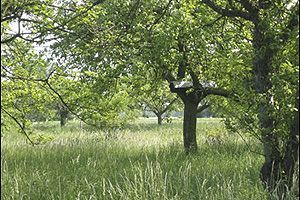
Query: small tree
point(157, 98)
point(63, 113)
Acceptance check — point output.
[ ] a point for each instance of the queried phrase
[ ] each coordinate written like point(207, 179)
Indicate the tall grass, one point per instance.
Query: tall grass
point(143, 161)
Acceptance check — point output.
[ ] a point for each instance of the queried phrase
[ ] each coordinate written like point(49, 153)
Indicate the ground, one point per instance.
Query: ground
point(141, 161)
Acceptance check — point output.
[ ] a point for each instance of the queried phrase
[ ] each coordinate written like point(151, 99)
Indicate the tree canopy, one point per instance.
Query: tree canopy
point(239, 56)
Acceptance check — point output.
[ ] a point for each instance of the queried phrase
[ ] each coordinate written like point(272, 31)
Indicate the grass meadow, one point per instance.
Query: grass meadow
point(143, 161)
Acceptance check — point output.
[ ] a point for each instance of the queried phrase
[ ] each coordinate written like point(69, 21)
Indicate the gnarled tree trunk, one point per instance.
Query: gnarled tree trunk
point(267, 42)
point(278, 168)
point(291, 156)
point(262, 63)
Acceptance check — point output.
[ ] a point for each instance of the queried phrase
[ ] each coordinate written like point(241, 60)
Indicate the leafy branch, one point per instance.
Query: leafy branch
point(22, 126)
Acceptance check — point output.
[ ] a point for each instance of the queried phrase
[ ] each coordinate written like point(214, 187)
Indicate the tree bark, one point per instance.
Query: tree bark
point(159, 118)
point(265, 46)
point(189, 126)
point(63, 114)
point(262, 63)
point(63, 118)
point(292, 147)
point(278, 168)
point(270, 171)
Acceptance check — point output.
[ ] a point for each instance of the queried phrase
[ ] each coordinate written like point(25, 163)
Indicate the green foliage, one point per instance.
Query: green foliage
point(153, 94)
point(96, 102)
point(22, 97)
point(104, 51)
point(39, 84)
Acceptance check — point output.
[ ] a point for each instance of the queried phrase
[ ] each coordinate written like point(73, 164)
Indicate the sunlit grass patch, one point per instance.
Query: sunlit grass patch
point(134, 163)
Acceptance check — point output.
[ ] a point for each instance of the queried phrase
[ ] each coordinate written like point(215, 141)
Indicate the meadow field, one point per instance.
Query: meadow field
point(142, 161)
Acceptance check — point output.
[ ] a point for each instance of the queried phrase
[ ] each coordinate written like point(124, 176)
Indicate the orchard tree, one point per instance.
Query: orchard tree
point(159, 102)
point(174, 40)
point(94, 99)
point(153, 94)
point(63, 113)
point(273, 27)
point(178, 47)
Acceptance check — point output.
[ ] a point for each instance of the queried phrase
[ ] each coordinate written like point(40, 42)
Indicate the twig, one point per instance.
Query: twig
point(160, 17)
point(248, 146)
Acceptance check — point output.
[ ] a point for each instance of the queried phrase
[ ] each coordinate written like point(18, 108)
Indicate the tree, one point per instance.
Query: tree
point(63, 113)
point(173, 46)
point(154, 95)
point(245, 50)
point(273, 26)
point(41, 21)
point(119, 36)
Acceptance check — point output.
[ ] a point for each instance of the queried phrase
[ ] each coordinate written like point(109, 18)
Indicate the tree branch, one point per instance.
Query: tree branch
point(46, 81)
point(248, 6)
point(14, 16)
point(169, 77)
point(168, 106)
point(213, 22)
point(19, 124)
point(218, 92)
point(65, 104)
point(201, 108)
point(227, 12)
point(4, 41)
point(196, 82)
point(291, 25)
point(183, 61)
point(160, 17)
point(42, 33)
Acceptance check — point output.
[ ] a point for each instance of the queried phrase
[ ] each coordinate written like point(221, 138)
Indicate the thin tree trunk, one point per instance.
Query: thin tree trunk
point(159, 119)
point(189, 126)
point(63, 119)
point(63, 116)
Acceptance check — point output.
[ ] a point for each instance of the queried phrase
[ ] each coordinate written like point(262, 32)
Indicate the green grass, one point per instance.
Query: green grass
point(142, 161)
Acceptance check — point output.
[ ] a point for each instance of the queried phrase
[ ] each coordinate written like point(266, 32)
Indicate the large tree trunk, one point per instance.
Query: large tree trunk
point(189, 126)
point(278, 168)
point(270, 171)
point(292, 147)
point(266, 44)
